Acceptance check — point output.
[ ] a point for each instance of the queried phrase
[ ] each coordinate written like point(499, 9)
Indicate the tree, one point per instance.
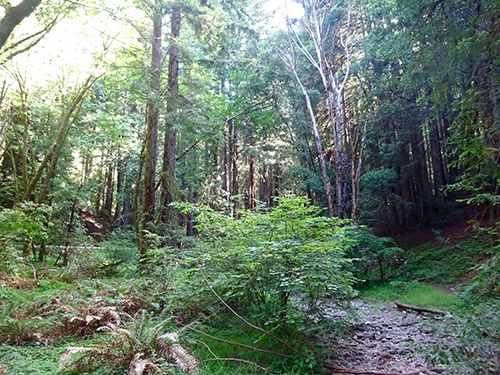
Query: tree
point(14, 16)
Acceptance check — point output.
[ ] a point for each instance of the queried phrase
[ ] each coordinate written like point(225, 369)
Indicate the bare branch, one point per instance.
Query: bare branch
point(208, 348)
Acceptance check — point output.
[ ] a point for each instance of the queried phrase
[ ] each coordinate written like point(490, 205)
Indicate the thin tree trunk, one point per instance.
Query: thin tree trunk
point(251, 184)
point(264, 189)
point(224, 166)
point(233, 162)
point(437, 160)
point(137, 208)
point(120, 178)
point(190, 223)
point(108, 197)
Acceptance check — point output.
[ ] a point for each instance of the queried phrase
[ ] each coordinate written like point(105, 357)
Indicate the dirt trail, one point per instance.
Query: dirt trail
point(383, 339)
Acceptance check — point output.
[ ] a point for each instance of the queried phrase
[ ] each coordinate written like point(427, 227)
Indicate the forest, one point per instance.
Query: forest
point(247, 186)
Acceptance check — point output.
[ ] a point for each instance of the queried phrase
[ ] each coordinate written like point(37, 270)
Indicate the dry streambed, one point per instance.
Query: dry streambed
point(383, 340)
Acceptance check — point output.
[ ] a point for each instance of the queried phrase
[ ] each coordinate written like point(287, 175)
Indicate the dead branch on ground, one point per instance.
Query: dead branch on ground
point(402, 306)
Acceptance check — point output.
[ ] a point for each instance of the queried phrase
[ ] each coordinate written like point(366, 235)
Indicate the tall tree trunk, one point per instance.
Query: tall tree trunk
point(437, 160)
point(251, 184)
point(233, 162)
point(264, 186)
point(190, 222)
point(151, 141)
point(126, 216)
point(108, 197)
point(169, 152)
point(120, 179)
point(138, 194)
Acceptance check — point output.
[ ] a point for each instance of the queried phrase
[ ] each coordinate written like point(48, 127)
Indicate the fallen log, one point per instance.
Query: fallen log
point(334, 370)
point(402, 306)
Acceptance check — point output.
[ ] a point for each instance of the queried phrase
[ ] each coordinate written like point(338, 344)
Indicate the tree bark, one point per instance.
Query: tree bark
point(151, 141)
point(233, 163)
point(108, 196)
point(437, 160)
point(251, 184)
point(14, 16)
point(120, 179)
point(169, 152)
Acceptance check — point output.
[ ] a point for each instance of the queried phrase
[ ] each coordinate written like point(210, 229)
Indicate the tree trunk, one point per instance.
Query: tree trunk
point(437, 160)
point(233, 162)
point(108, 197)
point(151, 141)
point(52, 156)
point(190, 223)
point(120, 179)
point(251, 185)
point(169, 152)
point(14, 16)
point(264, 186)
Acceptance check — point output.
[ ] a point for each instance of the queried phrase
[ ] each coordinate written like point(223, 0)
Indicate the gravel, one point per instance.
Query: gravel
point(382, 339)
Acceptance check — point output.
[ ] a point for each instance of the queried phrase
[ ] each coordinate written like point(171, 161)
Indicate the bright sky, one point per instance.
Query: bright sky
point(294, 10)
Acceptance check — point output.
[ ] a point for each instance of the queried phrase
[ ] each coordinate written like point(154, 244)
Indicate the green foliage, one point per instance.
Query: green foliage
point(20, 229)
point(474, 344)
point(377, 193)
point(278, 268)
point(443, 264)
point(413, 293)
point(119, 253)
point(370, 252)
point(487, 281)
point(117, 349)
point(22, 360)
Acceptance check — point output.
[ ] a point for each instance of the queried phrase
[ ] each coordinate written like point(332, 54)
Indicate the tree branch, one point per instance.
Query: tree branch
point(239, 344)
point(247, 322)
point(14, 16)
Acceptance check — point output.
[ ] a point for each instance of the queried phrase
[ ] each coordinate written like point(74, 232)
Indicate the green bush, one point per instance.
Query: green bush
point(476, 341)
point(371, 253)
point(20, 229)
point(278, 268)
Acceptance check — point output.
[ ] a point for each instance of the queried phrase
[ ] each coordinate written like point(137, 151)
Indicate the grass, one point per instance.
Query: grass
point(413, 293)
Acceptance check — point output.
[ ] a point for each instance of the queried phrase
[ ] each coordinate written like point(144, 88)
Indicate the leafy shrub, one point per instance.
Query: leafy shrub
point(278, 267)
point(20, 229)
point(119, 252)
point(370, 252)
point(476, 342)
point(487, 281)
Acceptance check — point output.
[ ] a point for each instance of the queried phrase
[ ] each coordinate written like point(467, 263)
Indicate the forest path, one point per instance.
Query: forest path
point(385, 340)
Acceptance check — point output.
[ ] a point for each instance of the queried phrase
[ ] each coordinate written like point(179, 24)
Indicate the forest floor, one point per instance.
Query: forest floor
point(383, 340)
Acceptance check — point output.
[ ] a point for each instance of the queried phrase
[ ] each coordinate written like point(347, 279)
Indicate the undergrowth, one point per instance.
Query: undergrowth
point(413, 293)
point(443, 264)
